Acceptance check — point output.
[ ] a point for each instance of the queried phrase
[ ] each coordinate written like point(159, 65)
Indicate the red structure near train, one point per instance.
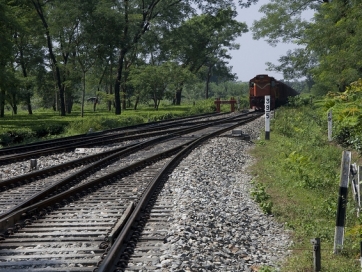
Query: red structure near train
point(263, 85)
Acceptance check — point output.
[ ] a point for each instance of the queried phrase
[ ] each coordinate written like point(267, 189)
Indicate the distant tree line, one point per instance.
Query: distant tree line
point(121, 50)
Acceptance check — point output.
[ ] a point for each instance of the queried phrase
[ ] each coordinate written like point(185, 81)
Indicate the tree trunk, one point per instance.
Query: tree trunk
point(117, 86)
point(124, 94)
point(95, 104)
point(154, 101)
point(69, 103)
point(83, 95)
point(109, 102)
point(208, 82)
point(28, 103)
point(15, 109)
point(136, 103)
point(178, 96)
point(60, 86)
point(110, 87)
point(2, 103)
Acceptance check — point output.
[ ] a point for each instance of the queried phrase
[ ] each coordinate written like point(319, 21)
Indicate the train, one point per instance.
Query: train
point(262, 85)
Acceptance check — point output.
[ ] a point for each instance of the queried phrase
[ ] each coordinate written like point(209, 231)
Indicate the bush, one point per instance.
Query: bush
point(44, 130)
point(16, 136)
point(101, 123)
point(203, 107)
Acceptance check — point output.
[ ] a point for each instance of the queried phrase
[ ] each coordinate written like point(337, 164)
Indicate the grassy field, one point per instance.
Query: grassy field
point(297, 180)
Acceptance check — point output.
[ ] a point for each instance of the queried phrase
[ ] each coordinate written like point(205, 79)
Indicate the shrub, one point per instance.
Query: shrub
point(44, 130)
point(101, 123)
point(16, 136)
point(259, 194)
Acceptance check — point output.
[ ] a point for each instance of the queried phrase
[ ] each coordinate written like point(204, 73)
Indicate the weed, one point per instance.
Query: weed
point(259, 194)
point(297, 171)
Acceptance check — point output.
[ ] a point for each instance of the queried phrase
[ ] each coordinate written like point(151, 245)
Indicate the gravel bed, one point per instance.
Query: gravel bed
point(21, 168)
point(216, 226)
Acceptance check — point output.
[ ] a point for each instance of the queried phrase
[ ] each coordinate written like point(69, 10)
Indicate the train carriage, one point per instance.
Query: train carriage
point(263, 85)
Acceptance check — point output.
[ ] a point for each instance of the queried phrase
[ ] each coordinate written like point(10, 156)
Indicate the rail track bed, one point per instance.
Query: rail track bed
point(24, 190)
point(22, 152)
point(203, 218)
point(71, 237)
point(87, 221)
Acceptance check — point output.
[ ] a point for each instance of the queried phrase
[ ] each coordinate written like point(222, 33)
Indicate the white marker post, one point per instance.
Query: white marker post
point(330, 125)
point(267, 117)
point(342, 202)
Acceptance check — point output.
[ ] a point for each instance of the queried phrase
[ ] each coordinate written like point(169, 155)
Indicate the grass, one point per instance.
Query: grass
point(299, 171)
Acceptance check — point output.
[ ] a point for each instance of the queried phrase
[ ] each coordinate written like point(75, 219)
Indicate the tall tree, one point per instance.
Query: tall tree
point(39, 6)
point(28, 51)
point(138, 16)
point(284, 22)
point(6, 20)
point(204, 40)
point(336, 38)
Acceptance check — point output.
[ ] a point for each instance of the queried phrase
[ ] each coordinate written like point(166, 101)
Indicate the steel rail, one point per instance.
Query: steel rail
point(114, 253)
point(68, 182)
point(82, 137)
point(102, 140)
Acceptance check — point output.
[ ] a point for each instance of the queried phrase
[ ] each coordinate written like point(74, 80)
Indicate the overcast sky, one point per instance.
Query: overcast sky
point(250, 59)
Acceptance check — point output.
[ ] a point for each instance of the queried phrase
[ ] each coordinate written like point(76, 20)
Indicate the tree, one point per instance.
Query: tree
point(217, 72)
point(156, 82)
point(138, 16)
point(28, 52)
point(204, 40)
point(283, 22)
point(296, 64)
point(39, 7)
point(6, 19)
point(335, 37)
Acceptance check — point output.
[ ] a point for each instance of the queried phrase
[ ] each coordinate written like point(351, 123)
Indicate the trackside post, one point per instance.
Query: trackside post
point(329, 117)
point(316, 253)
point(267, 117)
point(342, 202)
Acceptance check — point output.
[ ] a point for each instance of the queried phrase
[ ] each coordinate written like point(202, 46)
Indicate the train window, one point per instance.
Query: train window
point(273, 83)
point(251, 84)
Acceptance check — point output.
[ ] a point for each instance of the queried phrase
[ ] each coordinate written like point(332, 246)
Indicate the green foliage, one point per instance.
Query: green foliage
point(259, 194)
point(297, 101)
point(45, 123)
point(101, 123)
point(13, 137)
point(45, 129)
point(267, 269)
point(347, 115)
point(299, 172)
point(205, 106)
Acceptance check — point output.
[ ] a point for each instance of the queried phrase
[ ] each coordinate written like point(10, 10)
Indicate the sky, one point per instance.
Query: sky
point(252, 55)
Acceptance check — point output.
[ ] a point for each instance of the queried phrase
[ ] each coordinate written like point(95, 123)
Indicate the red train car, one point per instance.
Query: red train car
point(263, 85)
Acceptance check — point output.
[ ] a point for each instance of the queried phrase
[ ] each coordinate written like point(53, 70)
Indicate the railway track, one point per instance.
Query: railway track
point(95, 138)
point(83, 222)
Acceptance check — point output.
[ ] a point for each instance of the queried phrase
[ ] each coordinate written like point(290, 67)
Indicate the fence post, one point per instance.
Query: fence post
point(342, 202)
point(316, 253)
point(360, 252)
point(359, 180)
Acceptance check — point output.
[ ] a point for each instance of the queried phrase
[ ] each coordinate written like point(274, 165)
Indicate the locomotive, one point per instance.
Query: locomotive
point(263, 85)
